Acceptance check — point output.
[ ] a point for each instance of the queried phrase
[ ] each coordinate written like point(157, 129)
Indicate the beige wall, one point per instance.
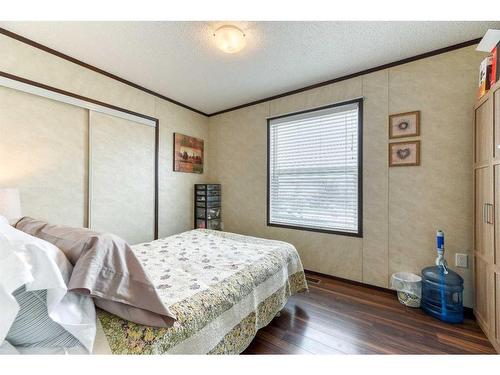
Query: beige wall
point(402, 207)
point(176, 189)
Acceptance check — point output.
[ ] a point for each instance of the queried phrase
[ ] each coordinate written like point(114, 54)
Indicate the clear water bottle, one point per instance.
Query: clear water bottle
point(442, 289)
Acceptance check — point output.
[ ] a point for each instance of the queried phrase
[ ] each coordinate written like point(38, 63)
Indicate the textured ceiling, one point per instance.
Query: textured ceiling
point(180, 60)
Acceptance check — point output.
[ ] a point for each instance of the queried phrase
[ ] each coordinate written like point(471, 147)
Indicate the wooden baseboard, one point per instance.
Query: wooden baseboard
point(352, 282)
point(468, 311)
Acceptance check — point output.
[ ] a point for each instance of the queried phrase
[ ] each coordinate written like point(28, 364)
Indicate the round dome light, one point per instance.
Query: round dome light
point(229, 39)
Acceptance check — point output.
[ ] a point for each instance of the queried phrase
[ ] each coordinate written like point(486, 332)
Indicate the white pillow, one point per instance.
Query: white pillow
point(40, 266)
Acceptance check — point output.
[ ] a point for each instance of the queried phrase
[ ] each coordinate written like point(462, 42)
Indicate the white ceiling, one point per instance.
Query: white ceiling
point(180, 60)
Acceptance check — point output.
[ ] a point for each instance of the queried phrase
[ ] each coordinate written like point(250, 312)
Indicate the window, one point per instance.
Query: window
point(314, 169)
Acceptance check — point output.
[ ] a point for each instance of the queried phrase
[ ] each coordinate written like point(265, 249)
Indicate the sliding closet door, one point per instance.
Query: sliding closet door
point(43, 152)
point(122, 177)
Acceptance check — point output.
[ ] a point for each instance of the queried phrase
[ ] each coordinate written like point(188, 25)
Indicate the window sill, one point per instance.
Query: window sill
point(336, 232)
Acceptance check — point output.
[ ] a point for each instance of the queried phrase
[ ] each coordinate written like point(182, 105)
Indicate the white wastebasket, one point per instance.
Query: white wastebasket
point(409, 288)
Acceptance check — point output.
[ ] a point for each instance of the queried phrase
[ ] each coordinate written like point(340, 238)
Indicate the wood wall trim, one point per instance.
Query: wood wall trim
point(157, 178)
point(287, 93)
point(348, 281)
point(94, 68)
point(73, 95)
point(468, 311)
point(357, 74)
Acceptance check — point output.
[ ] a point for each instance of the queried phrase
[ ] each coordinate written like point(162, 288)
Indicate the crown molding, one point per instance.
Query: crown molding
point(353, 75)
point(94, 68)
point(277, 96)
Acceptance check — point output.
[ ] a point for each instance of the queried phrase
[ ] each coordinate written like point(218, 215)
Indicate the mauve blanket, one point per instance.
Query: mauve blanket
point(106, 268)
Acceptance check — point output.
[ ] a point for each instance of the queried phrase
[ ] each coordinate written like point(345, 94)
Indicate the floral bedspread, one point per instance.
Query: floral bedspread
point(221, 286)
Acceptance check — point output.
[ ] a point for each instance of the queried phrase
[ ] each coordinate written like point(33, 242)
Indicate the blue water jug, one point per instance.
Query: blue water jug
point(442, 293)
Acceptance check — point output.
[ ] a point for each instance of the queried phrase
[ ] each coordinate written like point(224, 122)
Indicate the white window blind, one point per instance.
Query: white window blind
point(313, 169)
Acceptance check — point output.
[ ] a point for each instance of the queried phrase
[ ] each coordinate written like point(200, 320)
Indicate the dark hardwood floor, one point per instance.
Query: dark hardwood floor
point(336, 317)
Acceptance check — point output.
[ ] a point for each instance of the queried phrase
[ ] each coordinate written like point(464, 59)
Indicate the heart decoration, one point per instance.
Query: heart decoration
point(403, 153)
point(403, 125)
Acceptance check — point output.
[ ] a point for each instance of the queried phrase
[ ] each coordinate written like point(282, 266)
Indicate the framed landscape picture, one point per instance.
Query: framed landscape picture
point(188, 154)
point(404, 125)
point(403, 154)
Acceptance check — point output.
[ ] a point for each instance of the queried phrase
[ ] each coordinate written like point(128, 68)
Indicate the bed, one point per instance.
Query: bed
point(198, 292)
point(221, 286)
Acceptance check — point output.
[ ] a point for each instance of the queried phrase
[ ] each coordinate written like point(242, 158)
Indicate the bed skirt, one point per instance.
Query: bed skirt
point(212, 335)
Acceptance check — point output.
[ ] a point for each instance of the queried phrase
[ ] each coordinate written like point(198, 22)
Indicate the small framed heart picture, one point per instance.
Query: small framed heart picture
point(404, 125)
point(402, 154)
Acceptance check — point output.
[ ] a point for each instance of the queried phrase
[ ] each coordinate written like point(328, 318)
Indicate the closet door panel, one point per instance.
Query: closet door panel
point(496, 119)
point(122, 177)
point(495, 257)
point(43, 152)
point(483, 133)
point(484, 215)
point(497, 310)
point(484, 294)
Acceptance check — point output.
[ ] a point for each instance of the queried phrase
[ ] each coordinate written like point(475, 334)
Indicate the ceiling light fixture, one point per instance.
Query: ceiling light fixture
point(230, 39)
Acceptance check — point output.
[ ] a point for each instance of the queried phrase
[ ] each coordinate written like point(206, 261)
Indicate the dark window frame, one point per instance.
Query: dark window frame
point(359, 233)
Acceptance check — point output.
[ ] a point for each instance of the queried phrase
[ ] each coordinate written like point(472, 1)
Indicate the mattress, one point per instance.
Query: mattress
point(222, 287)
